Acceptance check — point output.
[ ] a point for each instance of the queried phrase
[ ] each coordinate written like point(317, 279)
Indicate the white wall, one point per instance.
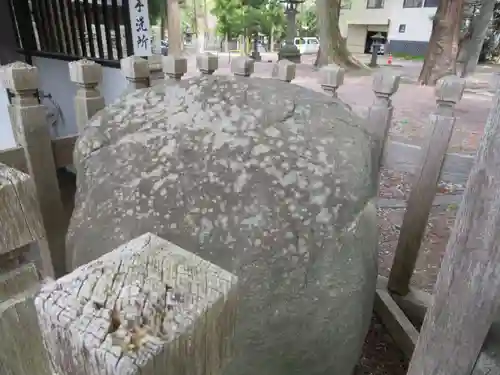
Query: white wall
point(6, 136)
point(417, 20)
point(54, 80)
point(418, 23)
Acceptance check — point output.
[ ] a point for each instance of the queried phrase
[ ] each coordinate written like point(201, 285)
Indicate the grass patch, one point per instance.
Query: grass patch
point(408, 57)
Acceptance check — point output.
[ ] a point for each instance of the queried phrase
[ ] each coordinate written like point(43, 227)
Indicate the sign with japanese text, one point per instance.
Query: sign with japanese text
point(141, 29)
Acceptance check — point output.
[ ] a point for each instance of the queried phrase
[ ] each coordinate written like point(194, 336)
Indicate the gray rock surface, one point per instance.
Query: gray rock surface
point(266, 179)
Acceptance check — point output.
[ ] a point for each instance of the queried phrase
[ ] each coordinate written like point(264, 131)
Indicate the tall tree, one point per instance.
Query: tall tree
point(441, 56)
point(333, 47)
point(479, 27)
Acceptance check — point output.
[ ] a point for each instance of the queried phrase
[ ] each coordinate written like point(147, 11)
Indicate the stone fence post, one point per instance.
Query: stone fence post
point(331, 78)
point(284, 70)
point(136, 70)
point(207, 63)
point(381, 111)
point(449, 91)
point(174, 67)
point(34, 135)
point(242, 66)
point(88, 100)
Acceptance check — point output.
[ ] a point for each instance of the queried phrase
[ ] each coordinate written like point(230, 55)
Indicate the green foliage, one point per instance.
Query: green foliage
point(237, 17)
point(156, 10)
point(308, 22)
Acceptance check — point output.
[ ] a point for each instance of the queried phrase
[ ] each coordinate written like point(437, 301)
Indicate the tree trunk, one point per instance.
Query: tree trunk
point(441, 56)
point(473, 46)
point(174, 28)
point(333, 48)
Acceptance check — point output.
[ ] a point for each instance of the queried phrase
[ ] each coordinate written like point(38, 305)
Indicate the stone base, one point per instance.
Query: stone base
point(256, 56)
point(289, 52)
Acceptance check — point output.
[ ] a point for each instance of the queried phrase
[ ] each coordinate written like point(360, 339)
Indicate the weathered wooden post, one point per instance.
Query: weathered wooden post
point(34, 134)
point(242, 66)
point(88, 100)
point(207, 63)
point(148, 307)
point(21, 222)
point(449, 91)
point(22, 351)
point(467, 290)
point(284, 70)
point(136, 71)
point(174, 67)
point(380, 113)
point(331, 78)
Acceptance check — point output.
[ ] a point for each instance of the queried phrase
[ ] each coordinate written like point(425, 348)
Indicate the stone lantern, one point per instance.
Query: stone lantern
point(289, 50)
point(377, 41)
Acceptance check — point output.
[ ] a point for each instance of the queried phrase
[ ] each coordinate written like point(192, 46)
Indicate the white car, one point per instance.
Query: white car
point(307, 45)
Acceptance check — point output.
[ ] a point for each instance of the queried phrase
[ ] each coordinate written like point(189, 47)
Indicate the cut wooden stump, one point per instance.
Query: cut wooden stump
point(148, 307)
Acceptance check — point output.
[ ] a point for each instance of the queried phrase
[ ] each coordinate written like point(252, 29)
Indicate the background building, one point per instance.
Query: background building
point(406, 24)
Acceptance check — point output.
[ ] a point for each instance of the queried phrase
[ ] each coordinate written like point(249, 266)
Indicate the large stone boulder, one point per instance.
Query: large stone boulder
point(269, 180)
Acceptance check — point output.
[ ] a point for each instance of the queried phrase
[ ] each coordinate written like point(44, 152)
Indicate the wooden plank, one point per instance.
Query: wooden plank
point(148, 307)
point(467, 291)
point(408, 158)
point(20, 216)
point(423, 191)
point(395, 321)
point(18, 281)
point(62, 149)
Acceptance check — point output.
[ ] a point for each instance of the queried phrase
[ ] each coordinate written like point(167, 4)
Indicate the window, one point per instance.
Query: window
point(345, 4)
point(402, 28)
point(312, 41)
point(375, 4)
point(412, 3)
point(431, 3)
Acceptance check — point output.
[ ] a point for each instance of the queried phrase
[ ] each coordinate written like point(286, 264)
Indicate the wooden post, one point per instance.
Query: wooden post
point(242, 66)
point(21, 221)
point(449, 91)
point(88, 100)
point(149, 300)
point(467, 290)
point(380, 113)
point(22, 351)
point(207, 63)
point(33, 129)
point(174, 67)
point(331, 78)
point(284, 70)
point(136, 71)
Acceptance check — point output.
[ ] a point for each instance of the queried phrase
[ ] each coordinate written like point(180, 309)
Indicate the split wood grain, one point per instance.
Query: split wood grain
point(148, 307)
point(20, 218)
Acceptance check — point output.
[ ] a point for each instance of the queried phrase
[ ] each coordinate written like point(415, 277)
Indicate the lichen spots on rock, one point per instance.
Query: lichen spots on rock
point(258, 176)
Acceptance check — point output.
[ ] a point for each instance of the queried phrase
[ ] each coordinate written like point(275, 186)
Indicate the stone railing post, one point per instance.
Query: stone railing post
point(449, 91)
point(27, 98)
point(331, 78)
point(242, 66)
point(207, 63)
point(284, 70)
point(380, 113)
point(174, 67)
point(136, 70)
point(88, 100)
point(33, 129)
point(176, 321)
